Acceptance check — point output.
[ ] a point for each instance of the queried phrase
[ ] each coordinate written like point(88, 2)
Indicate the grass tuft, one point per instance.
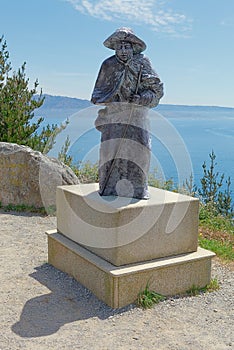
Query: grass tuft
point(148, 298)
point(22, 208)
point(223, 250)
point(211, 287)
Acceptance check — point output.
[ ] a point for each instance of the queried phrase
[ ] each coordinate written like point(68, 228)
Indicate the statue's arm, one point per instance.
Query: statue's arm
point(151, 88)
point(98, 91)
point(105, 83)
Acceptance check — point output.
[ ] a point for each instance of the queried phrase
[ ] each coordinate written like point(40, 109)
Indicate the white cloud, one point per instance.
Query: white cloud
point(153, 13)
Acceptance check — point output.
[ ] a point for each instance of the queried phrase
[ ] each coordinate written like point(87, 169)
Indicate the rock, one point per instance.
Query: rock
point(29, 177)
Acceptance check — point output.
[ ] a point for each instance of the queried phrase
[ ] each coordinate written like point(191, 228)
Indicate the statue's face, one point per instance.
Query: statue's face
point(124, 51)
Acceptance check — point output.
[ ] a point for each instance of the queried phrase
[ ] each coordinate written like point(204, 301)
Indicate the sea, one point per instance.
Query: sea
point(183, 137)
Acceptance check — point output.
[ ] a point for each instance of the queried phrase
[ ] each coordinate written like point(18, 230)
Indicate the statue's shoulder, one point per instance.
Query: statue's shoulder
point(140, 57)
point(143, 60)
point(109, 61)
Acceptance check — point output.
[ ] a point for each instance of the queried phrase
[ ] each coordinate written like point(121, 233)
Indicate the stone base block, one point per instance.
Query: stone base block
point(119, 286)
point(124, 231)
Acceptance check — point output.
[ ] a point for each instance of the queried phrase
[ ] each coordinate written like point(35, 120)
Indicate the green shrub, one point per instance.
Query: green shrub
point(86, 172)
point(17, 105)
point(218, 201)
point(154, 180)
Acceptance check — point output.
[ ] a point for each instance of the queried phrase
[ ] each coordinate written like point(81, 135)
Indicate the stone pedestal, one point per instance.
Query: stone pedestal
point(119, 286)
point(124, 231)
point(115, 246)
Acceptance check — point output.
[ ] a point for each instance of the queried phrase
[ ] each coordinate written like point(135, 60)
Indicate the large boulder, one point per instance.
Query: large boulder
point(29, 177)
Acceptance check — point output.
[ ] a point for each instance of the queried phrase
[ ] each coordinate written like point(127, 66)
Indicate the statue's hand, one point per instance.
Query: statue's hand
point(144, 99)
point(135, 99)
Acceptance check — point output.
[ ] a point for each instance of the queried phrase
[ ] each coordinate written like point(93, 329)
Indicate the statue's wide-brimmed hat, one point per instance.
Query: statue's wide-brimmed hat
point(125, 34)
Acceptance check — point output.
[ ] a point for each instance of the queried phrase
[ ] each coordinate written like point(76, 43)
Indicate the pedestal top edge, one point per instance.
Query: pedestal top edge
point(157, 196)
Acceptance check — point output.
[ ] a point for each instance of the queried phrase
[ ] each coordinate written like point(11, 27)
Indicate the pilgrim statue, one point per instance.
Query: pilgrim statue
point(126, 86)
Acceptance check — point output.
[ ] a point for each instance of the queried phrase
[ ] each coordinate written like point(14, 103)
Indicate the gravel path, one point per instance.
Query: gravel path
point(43, 308)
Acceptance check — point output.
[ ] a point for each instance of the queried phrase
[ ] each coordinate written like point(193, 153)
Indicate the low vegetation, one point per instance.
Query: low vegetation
point(211, 287)
point(22, 208)
point(148, 298)
point(216, 231)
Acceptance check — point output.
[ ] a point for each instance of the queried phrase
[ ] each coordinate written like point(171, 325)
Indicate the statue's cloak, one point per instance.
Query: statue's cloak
point(118, 81)
point(125, 139)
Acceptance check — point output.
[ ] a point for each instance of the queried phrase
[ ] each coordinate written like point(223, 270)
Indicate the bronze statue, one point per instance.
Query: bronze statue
point(127, 86)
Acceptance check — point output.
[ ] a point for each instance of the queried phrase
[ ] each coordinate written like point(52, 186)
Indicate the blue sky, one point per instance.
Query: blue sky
point(190, 44)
